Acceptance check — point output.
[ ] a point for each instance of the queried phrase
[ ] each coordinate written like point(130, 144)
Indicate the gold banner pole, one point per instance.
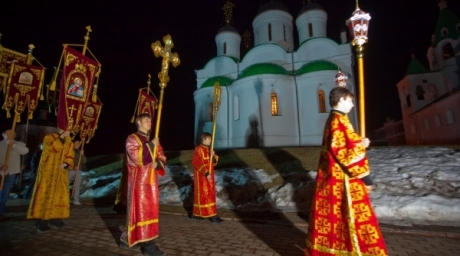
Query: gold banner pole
point(216, 104)
point(168, 57)
point(85, 46)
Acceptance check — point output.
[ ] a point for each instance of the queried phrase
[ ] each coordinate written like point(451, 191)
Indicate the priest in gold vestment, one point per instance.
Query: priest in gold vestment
point(342, 220)
point(50, 203)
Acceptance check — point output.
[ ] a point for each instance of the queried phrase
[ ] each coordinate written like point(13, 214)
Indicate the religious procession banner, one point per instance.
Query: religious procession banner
point(77, 81)
point(89, 120)
point(147, 104)
point(23, 90)
point(7, 57)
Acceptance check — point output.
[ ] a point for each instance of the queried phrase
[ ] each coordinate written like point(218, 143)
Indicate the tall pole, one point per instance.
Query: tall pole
point(359, 26)
point(362, 112)
point(215, 107)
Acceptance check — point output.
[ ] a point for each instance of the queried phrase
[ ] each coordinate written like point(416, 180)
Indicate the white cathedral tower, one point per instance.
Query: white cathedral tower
point(277, 93)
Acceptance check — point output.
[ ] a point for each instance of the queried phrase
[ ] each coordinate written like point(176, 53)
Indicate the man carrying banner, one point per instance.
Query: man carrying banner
point(142, 218)
point(204, 195)
point(50, 199)
point(12, 169)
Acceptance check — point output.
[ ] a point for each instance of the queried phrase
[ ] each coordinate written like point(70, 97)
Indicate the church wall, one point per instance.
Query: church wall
point(316, 49)
point(269, 53)
point(424, 88)
point(232, 41)
point(451, 73)
point(311, 120)
point(317, 19)
point(440, 123)
point(276, 18)
point(219, 66)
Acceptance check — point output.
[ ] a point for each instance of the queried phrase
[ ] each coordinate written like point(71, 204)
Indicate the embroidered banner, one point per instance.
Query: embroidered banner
point(6, 59)
point(23, 89)
point(77, 81)
point(147, 104)
point(89, 119)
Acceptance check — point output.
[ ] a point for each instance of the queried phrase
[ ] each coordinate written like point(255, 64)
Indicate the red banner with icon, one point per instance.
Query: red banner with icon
point(77, 81)
point(89, 120)
point(23, 89)
point(7, 57)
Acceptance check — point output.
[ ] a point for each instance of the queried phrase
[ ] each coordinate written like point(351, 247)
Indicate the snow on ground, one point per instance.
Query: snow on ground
point(413, 185)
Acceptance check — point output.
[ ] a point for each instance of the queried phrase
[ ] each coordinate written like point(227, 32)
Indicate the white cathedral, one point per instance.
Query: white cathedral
point(277, 94)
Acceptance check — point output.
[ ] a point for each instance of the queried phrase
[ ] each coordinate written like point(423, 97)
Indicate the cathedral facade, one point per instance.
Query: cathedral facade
point(278, 93)
point(430, 98)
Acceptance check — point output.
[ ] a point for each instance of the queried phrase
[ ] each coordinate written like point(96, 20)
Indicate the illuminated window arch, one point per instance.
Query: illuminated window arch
point(321, 101)
point(269, 32)
point(274, 104)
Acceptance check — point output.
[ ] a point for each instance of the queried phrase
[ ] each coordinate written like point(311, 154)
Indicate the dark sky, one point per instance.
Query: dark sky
point(124, 30)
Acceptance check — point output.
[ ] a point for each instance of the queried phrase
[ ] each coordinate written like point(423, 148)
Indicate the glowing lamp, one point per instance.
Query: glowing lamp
point(358, 25)
point(341, 79)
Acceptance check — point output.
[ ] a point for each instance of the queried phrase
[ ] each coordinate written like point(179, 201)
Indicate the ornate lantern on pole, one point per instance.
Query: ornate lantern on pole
point(358, 25)
point(341, 79)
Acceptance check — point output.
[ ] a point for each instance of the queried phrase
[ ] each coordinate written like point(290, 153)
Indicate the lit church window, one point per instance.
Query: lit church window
point(274, 104)
point(322, 102)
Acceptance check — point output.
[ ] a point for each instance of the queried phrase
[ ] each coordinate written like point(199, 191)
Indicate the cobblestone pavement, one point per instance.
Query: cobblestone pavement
point(95, 230)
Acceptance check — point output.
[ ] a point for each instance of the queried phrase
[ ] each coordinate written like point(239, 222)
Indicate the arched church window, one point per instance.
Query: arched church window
point(236, 107)
point(310, 30)
point(284, 31)
point(321, 101)
point(269, 32)
point(274, 104)
point(447, 51)
point(450, 116)
point(225, 48)
point(444, 32)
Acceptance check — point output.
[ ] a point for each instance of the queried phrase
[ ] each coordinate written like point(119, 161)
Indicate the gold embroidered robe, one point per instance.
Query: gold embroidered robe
point(204, 196)
point(143, 193)
point(50, 198)
point(342, 220)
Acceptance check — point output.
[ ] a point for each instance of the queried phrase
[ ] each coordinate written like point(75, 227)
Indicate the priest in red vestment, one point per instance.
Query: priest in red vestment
point(204, 196)
point(143, 194)
point(342, 220)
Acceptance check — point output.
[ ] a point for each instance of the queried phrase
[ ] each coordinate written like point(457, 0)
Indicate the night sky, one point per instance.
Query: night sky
point(124, 30)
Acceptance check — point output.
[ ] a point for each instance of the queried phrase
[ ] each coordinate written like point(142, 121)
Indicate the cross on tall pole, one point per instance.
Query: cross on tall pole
point(168, 57)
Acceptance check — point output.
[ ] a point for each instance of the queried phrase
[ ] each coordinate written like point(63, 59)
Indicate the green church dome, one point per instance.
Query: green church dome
point(223, 81)
point(316, 65)
point(263, 68)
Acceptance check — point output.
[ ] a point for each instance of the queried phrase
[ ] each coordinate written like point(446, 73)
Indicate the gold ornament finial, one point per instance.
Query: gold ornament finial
point(228, 12)
point(88, 30)
point(168, 57)
point(247, 39)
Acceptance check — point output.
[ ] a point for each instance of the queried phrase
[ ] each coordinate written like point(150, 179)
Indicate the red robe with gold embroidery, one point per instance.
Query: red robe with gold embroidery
point(342, 221)
point(143, 195)
point(204, 196)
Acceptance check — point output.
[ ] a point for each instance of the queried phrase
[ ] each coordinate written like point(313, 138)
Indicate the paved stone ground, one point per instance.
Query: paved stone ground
point(95, 230)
